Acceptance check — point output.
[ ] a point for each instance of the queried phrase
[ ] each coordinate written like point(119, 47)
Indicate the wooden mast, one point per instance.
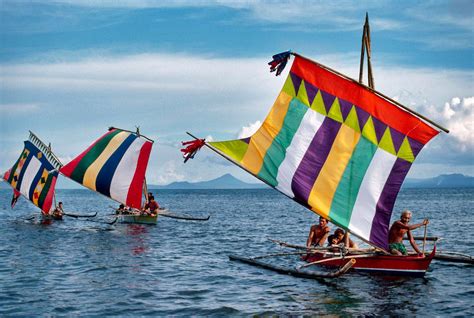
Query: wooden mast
point(366, 48)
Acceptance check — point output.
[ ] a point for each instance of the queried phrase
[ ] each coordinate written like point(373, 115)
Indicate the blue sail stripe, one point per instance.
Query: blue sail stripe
point(105, 175)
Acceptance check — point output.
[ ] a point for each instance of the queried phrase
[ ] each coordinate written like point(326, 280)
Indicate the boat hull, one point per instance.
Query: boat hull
point(137, 219)
point(392, 265)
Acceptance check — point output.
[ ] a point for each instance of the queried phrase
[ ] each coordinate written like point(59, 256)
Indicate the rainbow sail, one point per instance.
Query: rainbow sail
point(114, 165)
point(336, 147)
point(35, 173)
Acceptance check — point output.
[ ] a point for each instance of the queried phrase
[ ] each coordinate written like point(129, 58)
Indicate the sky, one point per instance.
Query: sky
point(70, 69)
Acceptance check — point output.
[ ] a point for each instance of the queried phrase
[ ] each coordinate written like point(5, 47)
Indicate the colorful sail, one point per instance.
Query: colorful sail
point(335, 147)
point(114, 165)
point(34, 174)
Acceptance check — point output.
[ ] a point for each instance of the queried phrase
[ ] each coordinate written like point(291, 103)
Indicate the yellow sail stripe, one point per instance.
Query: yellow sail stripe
point(39, 187)
point(263, 138)
point(93, 170)
point(323, 190)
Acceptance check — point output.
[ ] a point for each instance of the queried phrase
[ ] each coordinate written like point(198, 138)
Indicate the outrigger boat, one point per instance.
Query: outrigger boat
point(339, 148)
point(34, 176)
point(115, 166)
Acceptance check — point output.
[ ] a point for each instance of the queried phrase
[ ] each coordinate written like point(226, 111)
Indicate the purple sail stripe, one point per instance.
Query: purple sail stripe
point(345, 108)
point(328, 99)
point(246, 140)
point(415, 146)
point(386, 202)
point(362, 116)
point(397, 138)
point(313, 160)
point(296, 82)
point(311, 91)
point(379, 128)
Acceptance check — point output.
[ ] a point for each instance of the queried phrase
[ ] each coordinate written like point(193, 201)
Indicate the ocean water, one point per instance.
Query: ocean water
point(181, 268)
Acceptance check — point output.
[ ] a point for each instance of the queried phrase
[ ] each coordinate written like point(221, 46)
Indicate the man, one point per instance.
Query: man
point(58, 212)
point(152, 206)
point(398, 230)
point(318, 234)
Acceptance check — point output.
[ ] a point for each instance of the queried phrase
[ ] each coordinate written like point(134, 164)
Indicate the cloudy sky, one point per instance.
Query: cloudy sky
point(69, 69)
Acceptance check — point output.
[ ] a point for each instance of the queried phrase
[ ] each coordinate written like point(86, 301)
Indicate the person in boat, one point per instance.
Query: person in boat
point(58, 212)
point(122, 210)
point(397, 232)
point(152, 207)
point(341, 237)
point(318, 234)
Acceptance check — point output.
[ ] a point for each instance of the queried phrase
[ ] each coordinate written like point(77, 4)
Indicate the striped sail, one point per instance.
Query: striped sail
point(114, 165)
point(335, 147)
point(34, 174)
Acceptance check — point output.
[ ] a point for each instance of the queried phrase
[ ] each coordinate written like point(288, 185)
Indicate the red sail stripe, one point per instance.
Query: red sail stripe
point(134, 196)
point(48, 201)
point(69, 167)
point(360, 96)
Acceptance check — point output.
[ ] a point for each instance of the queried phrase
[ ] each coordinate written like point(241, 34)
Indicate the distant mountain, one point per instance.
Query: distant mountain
point(442, 181)
point(226, 181)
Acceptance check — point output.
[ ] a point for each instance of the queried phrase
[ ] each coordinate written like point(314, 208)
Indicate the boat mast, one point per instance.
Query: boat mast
point(366, 48)
point(145, 187)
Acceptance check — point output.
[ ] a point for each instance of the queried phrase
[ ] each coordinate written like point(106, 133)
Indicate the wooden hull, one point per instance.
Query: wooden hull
point(137, 219)
point(381, 264)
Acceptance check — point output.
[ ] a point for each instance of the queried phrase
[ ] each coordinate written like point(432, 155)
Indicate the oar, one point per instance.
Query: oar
point(80, 215)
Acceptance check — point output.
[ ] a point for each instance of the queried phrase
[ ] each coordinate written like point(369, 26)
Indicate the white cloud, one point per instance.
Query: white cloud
point(249, 130)
point(19, 108)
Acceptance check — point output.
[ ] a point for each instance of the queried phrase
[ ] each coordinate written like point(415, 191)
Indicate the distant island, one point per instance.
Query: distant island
point(228, 181)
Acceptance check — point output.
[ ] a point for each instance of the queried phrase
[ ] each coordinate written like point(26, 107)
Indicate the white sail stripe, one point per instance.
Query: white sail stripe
point(369, 193)
point(125, 171)
point(30, 173)
point(295, 152)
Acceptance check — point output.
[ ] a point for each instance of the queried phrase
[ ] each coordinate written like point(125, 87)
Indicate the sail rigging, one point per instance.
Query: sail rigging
point(34, 174)
point(335, 146)
point(114, 165)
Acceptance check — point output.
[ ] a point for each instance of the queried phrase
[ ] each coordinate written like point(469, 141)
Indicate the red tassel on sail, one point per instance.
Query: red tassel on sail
point(192, 148)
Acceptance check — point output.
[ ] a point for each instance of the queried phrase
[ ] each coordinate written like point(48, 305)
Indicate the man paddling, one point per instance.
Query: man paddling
point(397, 232)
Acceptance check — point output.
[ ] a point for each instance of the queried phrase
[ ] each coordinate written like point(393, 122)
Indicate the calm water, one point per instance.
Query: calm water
point(81, 267)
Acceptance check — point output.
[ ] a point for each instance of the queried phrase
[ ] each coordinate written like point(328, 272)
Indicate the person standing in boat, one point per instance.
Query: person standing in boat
point(397, 232)
point(318, 234)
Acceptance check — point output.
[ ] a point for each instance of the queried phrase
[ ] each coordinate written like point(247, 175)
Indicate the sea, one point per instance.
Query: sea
point(87, 267)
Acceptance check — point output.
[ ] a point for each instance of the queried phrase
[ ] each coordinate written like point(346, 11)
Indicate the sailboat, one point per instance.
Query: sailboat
point(34, 175)
point(342, 150)
point(115, 166)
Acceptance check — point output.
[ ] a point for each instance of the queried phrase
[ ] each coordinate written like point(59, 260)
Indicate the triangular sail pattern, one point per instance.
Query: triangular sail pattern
point(114, 165)
point(34, 176)
point(336, 147)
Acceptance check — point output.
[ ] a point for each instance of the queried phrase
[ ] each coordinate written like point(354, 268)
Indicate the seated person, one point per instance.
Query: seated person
point(397, 232)
point(152, 207)
point(58, 212)
point(343, 237)
point(318, 233)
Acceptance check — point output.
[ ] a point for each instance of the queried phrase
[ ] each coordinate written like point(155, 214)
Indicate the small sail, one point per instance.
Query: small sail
point(34, 174)
point(335, 147)
point(114, 166)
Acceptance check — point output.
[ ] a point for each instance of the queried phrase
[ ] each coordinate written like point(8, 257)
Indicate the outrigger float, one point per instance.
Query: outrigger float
point(342, 150)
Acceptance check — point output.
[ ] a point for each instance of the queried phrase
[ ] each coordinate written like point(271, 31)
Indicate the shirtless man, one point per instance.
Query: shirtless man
point(398, 230)
point(318, 233)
